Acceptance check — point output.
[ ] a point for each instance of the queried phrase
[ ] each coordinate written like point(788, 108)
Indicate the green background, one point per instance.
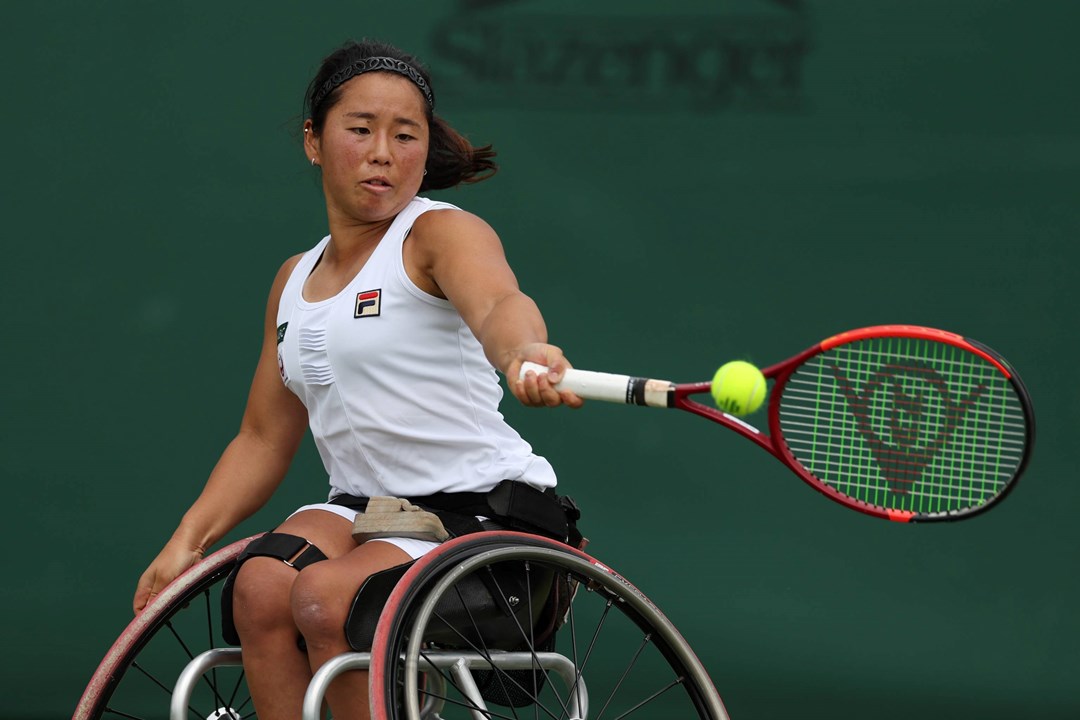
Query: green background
point(682, 183)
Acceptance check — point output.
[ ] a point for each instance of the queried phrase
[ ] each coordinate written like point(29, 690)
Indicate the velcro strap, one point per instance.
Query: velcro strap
point(292, 550)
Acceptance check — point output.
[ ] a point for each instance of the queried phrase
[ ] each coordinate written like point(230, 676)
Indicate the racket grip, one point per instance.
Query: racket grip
point(609, 387)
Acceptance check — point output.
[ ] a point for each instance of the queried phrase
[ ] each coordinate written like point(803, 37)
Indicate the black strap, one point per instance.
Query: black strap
point(516, 505)
point(294, 551)
point(466, 503)
point(444, 505)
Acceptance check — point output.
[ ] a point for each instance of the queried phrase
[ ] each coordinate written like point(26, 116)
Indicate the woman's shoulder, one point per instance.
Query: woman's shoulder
point(445, 220)
point(283, 274)
point(445, 236)
point(288, 266)
point(290, 263)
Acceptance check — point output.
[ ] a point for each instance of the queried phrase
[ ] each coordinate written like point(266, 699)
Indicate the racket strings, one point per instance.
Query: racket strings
point(905, 424)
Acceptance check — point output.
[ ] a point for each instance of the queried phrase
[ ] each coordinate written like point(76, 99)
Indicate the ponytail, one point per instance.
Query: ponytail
point(452, 160)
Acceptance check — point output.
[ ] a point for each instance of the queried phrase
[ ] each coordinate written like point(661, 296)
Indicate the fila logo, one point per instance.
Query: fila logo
point(368, 303)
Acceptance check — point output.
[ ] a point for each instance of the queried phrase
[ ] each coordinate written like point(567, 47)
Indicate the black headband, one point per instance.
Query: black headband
point(368, 65)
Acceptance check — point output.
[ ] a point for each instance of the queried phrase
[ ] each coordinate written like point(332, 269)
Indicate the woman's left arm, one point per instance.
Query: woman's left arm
point(456, 255)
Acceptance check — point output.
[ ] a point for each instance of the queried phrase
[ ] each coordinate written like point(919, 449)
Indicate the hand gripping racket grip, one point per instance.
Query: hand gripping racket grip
point(610, 387)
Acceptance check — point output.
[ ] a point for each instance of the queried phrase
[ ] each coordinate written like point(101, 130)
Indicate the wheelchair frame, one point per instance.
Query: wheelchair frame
point(410, 677)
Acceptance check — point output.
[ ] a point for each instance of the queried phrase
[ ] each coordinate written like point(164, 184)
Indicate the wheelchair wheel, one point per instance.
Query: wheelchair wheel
point(135, 680)
point(615, 654)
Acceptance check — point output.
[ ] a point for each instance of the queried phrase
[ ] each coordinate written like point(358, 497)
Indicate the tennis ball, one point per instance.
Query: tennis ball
point(738, 388)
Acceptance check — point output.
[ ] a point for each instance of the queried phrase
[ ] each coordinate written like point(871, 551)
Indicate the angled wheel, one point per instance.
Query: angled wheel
point(467, 630)
point(135, 679)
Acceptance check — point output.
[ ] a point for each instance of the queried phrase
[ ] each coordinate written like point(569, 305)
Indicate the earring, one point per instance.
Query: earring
point(425, 171)
point(313, 163)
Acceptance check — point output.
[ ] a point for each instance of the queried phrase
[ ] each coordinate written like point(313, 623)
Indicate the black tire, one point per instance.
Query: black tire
point(632, 660)
point(136, 677)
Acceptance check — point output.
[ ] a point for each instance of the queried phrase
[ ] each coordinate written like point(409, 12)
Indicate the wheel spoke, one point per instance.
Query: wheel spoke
point(481, 650)
point(592, 642)
point(111, 711)
point(499, 672)
point(465, 702)
point(532, 640)
point(210, 644)
point(629, 667)
point(471, 707)
point(180, 640)
point(236, 691)
point(149, 657)
point(576, 689)
point(646, 701)
point(619, 656)
point(532, 651)
point(168, 691)
point(146, 673)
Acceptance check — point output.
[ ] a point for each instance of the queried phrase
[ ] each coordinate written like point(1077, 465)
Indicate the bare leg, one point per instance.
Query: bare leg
point(321, 598)
point(277, 671)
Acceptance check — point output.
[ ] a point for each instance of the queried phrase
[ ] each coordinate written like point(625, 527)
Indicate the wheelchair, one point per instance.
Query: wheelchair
point(487, 625)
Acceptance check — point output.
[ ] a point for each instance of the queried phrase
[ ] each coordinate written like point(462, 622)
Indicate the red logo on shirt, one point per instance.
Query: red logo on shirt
point(368, 303)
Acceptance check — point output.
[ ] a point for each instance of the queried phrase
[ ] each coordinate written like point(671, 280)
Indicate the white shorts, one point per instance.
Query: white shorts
point(413, 547)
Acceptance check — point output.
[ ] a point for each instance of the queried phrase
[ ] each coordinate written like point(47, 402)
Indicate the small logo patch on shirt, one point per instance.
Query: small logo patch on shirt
point(281, 332)
point(281, 366)
point(368, 303)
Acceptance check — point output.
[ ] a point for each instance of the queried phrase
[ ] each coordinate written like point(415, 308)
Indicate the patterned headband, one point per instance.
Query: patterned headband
point(371, 64)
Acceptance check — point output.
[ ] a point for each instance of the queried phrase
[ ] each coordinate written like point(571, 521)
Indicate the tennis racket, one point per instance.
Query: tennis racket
point(897, 421)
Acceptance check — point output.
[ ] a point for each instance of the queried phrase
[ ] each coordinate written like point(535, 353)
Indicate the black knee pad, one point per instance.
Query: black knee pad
point(294, 551)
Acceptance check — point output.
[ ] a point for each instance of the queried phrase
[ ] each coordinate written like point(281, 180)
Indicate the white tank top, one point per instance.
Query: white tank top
point(400, 397)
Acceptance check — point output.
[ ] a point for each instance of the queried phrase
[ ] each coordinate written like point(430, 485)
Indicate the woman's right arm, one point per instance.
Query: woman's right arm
point(249, 471)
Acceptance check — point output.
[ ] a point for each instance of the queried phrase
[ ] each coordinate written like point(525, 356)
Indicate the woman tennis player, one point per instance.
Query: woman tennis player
point(384, 339)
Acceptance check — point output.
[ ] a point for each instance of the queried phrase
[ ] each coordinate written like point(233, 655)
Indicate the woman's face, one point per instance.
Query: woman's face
point(372, 148)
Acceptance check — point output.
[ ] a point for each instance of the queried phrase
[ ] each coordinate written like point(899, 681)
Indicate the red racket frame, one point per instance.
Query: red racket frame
point(782, 371)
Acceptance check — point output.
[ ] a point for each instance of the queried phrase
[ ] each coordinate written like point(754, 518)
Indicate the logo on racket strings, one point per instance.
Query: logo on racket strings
point(906, 414)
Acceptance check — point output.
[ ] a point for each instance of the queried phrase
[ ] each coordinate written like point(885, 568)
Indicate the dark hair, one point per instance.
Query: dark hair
point(451, 159)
